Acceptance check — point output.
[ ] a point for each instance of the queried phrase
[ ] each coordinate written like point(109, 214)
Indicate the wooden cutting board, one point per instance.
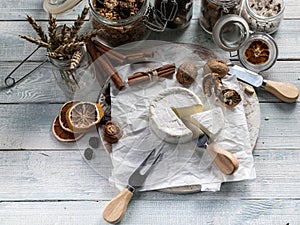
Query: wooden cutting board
point(251, 108)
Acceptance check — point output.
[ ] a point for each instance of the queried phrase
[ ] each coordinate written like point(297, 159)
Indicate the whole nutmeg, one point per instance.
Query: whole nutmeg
point(187, 73)
point(228, 97)
point(112, 132)
point(216, 66)
point(210, 83)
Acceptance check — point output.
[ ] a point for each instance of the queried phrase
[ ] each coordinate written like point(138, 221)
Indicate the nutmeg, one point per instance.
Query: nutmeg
point(216, 66)
point(112, 132)
point(210, 83)
point(187, 73)
point(228, 97)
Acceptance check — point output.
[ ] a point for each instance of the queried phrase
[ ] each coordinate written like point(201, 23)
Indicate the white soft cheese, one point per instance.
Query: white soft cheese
point(210, 122)
point(163, 120)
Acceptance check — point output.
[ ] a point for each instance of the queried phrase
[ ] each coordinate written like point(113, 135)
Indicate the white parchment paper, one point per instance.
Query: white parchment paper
point(181, 164)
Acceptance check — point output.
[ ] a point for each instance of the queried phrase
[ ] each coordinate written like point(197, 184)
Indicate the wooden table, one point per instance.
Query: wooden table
point(43, 181)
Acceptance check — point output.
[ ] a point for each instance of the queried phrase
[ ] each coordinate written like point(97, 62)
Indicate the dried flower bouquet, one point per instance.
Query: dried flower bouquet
point(62, 42)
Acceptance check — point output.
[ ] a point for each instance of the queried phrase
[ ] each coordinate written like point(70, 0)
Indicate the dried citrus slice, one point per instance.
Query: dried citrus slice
point(63, 135)
point(83, 116)
point(62, 115)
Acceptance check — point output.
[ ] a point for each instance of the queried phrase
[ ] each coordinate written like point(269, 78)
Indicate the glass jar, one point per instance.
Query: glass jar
point(212, 10)
point(256, 51)
point(118, 31)
point(178, 13)
point(263, 16)
point(69, 81)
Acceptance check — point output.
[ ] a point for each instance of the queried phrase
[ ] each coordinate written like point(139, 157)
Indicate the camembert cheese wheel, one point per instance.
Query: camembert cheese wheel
point(162, 119)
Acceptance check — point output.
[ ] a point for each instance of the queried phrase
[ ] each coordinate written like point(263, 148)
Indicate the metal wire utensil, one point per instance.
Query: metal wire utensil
point(10, 81)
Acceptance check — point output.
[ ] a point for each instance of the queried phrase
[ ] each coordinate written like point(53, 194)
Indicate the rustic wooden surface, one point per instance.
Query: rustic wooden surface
point(46, 182)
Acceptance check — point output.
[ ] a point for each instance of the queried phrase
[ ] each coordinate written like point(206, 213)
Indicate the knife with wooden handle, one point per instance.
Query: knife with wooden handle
point(226, 162)
point(286, 92)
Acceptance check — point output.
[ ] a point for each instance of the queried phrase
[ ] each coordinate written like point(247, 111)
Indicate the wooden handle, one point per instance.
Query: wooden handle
point(116, 208)
point(224, 160)
point(286, 92)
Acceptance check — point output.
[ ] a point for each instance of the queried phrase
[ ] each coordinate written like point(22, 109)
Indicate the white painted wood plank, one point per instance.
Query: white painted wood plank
point(28, 126)
point(225, 212)
point(65, 175)
point(32, 89)
point(9, 10)
point(287, 39)
point(17, 10)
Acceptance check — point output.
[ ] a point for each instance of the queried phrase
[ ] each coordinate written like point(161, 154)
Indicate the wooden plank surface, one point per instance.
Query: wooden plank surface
point(286, 38)
point(225, 212)
point(44, 181)
point(64, 175)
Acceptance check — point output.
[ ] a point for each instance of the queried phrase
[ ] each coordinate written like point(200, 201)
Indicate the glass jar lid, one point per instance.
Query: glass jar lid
point(257, 52)
point(230, 32)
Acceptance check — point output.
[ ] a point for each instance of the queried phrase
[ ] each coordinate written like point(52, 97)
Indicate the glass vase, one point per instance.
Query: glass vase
point(69, 81)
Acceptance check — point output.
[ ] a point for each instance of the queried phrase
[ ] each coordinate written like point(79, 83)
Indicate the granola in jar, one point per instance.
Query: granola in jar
point(121, 21)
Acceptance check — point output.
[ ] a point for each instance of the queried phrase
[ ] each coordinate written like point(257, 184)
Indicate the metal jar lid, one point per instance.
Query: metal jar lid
point(257, 52)
point(230, 32)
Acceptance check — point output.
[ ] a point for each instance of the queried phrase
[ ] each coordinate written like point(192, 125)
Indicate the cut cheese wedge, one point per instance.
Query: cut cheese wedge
point(210, 122)
point(163, 120)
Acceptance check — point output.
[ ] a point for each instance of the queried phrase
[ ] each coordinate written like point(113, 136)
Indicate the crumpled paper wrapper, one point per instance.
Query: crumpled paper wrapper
point(181, 164)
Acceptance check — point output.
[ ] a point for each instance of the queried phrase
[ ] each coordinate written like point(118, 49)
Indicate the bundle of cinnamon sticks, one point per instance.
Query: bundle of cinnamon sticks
point(105, 58)
point(152, 74)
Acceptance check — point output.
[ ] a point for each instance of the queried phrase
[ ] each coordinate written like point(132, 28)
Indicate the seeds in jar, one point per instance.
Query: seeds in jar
point(264, 16)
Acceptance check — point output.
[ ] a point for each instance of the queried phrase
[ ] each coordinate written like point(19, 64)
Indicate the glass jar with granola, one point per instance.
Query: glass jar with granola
point(121, 21)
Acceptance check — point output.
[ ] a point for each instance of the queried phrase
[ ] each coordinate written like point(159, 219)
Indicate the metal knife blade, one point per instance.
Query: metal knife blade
point(246, 76)
point(286, 92)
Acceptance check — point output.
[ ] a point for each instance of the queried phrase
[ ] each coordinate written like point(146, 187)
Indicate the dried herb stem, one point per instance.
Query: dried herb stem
point(78, 23)
point(69, 48)
point(52, 32)
point(75, 60)
point(37, 28)
point(87, 36)
point(55, 55)
point(35, 41)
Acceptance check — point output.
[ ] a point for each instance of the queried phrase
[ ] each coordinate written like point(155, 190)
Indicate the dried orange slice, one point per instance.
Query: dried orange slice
point(83, 116)
point(62, 115)
point(63, 135)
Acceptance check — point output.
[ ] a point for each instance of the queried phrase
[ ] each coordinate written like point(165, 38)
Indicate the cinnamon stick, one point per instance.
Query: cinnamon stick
point(111, 54)
point(164, 71)
point(102, 64)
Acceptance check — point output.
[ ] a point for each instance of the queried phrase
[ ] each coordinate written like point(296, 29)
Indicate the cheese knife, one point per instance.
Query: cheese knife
point(226, 162)
point(223, 159)
point(286, 92)
point(116, 208)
